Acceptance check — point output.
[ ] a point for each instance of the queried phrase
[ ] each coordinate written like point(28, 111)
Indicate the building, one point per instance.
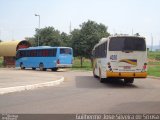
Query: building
point(8, 50)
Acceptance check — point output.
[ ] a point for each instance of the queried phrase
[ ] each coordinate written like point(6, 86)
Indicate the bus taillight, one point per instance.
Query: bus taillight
point(109, 66)
point(145, 66)
point(58, 61)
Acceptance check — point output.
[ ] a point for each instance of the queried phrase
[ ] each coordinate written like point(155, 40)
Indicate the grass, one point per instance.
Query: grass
point(154, 63)
point(154, 71)
point(153, 55)
point(1, 61)
point(86, 64)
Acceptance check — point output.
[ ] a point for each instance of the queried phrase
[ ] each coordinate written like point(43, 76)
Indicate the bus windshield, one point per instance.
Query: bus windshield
point(127, 44)
point(65, 51)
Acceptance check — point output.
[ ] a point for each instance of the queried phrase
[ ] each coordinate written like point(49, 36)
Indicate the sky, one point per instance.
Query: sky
point(18, 20)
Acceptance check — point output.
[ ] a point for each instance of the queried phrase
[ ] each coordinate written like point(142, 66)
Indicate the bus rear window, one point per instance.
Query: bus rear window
point(127, 44)
point(65, 51)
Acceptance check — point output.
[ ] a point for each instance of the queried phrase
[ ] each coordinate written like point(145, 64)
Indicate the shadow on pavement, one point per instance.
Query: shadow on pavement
point(91, 82)
point(37, 70)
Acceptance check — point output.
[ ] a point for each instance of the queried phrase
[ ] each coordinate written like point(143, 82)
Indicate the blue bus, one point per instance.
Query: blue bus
point(44, 57)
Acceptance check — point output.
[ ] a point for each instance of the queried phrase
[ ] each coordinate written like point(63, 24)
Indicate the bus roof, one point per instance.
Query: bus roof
point(42, 47)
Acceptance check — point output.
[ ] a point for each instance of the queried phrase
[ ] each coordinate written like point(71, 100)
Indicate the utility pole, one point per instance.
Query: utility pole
point(38, 26)
point(70, 27)
point(132, 31)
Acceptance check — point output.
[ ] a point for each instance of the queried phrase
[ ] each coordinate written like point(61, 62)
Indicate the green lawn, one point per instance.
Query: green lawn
point(77, 64)
point(154, 71)
point(154, 55)
point(154, 63)
point(1, 60)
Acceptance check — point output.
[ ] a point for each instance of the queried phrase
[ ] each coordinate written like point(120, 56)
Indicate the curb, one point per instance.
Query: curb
point(30, 87)
point(154, 77)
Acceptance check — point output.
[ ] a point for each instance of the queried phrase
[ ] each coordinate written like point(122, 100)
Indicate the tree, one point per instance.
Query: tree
point(31, 40)
point(78, 44)
point(48, 36)
point(84, 39)
point(65, 39)
point(91, 33)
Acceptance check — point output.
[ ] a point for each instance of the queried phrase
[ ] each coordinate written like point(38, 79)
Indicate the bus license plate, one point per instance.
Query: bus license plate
point(127, 67)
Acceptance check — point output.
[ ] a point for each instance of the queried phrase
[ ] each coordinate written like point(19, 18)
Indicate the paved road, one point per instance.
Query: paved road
point(81, 93)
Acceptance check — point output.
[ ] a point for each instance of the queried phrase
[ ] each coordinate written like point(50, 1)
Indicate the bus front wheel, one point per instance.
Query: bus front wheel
point(41, 67)
point(128, 80)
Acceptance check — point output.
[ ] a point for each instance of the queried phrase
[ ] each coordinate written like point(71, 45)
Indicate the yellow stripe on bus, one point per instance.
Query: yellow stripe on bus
point(129, 61)
point(126, 74)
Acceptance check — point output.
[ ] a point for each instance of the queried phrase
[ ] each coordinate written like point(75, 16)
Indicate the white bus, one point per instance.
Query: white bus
point(120, 56)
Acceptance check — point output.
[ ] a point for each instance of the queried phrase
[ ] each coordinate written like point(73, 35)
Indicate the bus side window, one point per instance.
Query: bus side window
point(106, 49)
point(49, 52)
point(46, 52)
point(39, 53)
point(33, 53)
point(18, 55)
point(54, 52)
point(22, 53)
point(43, 53)
point(27, 55)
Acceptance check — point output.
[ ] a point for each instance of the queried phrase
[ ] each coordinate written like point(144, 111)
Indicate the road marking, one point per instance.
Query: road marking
point(30, 87)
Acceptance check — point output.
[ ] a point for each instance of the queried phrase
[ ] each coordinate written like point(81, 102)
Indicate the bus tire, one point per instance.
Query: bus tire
point(102, 80)
point(33, 68)
point(128, 80)
point(21, 66)
point(54, 69)
point(41, 67)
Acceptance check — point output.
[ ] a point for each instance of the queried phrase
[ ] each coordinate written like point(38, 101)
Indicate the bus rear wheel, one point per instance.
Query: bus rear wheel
point(33, 68)
point(54, 69)
point(41, 67)
point(128, 80)
point(21, 66)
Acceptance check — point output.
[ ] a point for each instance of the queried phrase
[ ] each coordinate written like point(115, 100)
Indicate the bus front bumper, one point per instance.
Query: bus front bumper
point(126, 74)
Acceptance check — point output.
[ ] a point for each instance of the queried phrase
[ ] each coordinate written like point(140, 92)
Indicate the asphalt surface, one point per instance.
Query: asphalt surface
point(81, 93)
point(17, 77)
